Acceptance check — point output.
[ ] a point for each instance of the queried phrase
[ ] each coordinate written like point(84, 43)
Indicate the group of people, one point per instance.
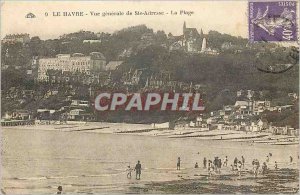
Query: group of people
point(216, 165)
point(238, 165)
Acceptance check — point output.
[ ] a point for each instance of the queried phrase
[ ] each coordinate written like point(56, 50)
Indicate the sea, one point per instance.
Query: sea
point(38, 161)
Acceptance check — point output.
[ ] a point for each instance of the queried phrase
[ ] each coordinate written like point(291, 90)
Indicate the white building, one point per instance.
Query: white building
point(91, 41)
point(261, 106)
point(207, 50)
point(16, 38)
point(93, 63)
point(81, 103)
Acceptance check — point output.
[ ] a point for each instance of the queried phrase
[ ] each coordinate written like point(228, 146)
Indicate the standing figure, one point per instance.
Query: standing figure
point(235, 163)
point(216, 162)
point(209, 164)
point(219, 164)
point(225, 161)
point(129, 170)
point(138, 170)
point(268, 159)
point(256, 165)
point(235, 160)
point(178, 163)
point(210, 167)
point(204, 163)
point(291, 159)
point(239, 166)
point(243, 161)
point(276, 166)
point(264, 168)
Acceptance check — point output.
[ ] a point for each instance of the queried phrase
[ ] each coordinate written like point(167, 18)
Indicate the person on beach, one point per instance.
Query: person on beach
point(276, 166)
point(209, 163)
point(264, 168)
point(59, 188)
point(291, 159)
point(235, 163)
point(196, 165)
point(243, 161)
point(204, 163)
point(210, 167)
point(225, 161)
point(239, 166)
point(178, 163)
point(219, 164)
point(216, 162)
point(129, 170)
point(268, 159)
point(256, 165)
point(138, 170)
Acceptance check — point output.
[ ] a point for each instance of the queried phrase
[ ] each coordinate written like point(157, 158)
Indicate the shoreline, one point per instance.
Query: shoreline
point(178, 133)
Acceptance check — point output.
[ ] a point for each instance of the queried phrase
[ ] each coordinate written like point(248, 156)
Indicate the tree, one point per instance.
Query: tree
point(12, 78)
point(161, 36)
point(35, 46)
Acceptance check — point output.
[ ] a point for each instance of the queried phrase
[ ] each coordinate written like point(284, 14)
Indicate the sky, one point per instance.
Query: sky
point(228, 17)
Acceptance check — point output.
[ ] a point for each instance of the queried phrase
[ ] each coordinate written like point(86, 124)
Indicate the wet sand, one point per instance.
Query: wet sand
point(274, 182)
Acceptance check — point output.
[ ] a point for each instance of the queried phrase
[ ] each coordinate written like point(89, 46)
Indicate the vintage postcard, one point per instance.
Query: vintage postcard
point(150, 97)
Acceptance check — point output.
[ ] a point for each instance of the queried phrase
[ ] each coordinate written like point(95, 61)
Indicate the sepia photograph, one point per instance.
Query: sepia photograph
point(149, 97)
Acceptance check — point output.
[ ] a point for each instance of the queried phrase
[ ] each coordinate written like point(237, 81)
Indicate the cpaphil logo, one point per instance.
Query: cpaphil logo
point(149, 101)
point(30, 15)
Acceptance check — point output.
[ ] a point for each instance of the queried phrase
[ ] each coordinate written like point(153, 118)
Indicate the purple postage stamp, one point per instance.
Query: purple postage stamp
point(273, 21)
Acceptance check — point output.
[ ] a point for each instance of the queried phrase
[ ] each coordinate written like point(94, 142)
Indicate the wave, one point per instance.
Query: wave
point(31, 178)
point(65, 177)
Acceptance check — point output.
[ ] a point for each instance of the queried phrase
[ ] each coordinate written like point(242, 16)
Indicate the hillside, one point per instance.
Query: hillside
point(244, 66)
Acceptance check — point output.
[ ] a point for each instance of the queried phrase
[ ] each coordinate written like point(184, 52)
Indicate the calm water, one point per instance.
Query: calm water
point(39, 161)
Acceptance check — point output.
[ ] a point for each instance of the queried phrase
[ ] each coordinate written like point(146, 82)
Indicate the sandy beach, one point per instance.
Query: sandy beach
point(148, 130)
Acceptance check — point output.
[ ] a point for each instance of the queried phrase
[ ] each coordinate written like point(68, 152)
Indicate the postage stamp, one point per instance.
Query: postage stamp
point(273, 21)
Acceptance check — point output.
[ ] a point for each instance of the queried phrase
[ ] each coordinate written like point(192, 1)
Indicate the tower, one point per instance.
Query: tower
point(201, 33)
point(203, 48)
point(184, 40)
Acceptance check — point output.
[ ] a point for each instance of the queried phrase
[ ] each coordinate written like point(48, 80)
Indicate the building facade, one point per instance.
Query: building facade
point(77, 63)
point(16, 38)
